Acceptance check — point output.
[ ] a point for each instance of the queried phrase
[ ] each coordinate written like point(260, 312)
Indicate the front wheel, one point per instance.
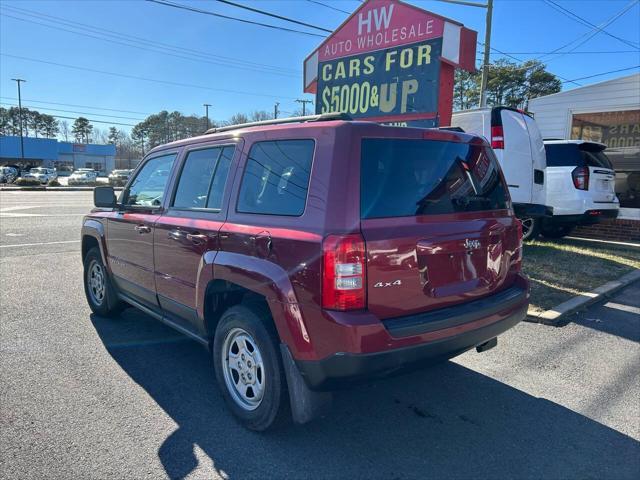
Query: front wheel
point(530, 228)
point(249, 368)
point(101, 295)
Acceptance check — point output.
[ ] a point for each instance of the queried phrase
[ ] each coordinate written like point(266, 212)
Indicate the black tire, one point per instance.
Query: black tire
point(273, 408)
point(530, 228)
point(108, 304)
point(557, 231)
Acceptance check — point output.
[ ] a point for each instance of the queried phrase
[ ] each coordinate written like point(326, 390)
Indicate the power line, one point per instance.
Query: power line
point(607, 73)
point(146, 79)
point(207, 12)
point(199, 57)
point(586, 22)
point(80, 106)
point(587, 36)
point(153, 42)
point(570, 53)
point(520, 60)
point(274, 15)
point(73, 111)
point(329, 6)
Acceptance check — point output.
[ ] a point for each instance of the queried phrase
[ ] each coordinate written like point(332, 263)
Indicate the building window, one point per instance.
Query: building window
point(620, 132)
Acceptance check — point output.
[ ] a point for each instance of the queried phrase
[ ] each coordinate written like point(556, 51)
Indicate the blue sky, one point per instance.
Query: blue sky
point(518, 26)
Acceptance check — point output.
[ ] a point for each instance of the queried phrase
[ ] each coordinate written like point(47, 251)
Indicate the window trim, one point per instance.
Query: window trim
point(138, 169)
point(246, 164)
point(186, 153)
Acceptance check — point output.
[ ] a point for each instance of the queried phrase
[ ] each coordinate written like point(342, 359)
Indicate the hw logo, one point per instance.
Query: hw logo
point(379, 16)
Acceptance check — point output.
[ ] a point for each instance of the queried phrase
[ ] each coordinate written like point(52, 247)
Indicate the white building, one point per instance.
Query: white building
point(606, 112)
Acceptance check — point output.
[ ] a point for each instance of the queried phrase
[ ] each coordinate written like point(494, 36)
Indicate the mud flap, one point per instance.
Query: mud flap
point(305, 403)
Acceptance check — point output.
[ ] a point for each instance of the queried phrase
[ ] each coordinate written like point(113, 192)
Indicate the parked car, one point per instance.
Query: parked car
point(8, 174)
point(118, 178)
point(83, 176)
point(517, 142)
point(580, 186)
point(313, 254)
point(43, 175)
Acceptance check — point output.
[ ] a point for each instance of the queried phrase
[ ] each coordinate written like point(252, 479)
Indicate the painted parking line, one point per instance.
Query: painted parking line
point(622, 307)
point(38, 244)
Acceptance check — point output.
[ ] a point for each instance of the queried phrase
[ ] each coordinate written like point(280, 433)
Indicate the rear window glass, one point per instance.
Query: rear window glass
point(576, 155)
point(276, 178)
point(401, 178)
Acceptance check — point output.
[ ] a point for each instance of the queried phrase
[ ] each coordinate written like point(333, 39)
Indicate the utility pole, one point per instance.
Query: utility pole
point(206, 110)
point(487, 43)
point(276, 110)
point(304, 104)
point(18, 81)
point(485, 60)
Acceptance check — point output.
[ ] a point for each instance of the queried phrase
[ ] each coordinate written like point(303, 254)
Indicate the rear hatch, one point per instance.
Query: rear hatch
point(589, 156)
point(436, 220)
point(602, 177)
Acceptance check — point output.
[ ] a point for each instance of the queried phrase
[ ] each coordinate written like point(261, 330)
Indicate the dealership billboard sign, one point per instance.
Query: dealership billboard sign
point(390, 62)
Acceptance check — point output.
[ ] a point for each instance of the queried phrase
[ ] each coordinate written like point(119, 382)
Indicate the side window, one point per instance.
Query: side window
point(147, 189)
point(276, 178)
point(203, 178)
point(195, 178)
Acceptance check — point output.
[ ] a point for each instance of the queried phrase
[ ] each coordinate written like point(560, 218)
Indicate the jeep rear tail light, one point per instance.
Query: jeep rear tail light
point(497, 137)
point(580, 177)
point(343, 272)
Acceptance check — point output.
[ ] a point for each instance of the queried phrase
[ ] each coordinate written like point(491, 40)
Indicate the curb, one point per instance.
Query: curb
point(555, 314)
point(53, 189)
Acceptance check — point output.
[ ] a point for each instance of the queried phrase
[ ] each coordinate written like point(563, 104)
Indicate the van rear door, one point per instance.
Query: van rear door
point(538, 159)
point(516, 157)
point(437, 225)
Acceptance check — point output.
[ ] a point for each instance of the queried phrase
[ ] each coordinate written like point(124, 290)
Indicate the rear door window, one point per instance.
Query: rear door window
point(576, 155)
point(276, 178)
point(401, 178)
point(203, 178)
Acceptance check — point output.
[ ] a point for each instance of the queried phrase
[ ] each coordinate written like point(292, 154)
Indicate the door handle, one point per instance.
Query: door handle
point(197, 238)
point(141, 229)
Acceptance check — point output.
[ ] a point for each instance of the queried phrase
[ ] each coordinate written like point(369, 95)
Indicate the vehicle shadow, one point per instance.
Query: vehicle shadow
point(447, 421)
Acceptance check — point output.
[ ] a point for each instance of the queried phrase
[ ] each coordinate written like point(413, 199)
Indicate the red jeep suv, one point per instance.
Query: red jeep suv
point(311, 252)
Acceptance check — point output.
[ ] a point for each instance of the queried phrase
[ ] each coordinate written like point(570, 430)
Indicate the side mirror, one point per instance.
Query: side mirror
point(104, 197)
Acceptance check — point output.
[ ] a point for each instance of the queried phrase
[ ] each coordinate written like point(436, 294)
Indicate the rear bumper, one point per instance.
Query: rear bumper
point(466, 326)
point(587, 218)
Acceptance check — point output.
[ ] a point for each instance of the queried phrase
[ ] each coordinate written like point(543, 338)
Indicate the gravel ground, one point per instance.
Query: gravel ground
point(88, 397)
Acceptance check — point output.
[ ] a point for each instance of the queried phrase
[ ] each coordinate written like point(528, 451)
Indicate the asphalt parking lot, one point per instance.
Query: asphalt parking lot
point(89, 397)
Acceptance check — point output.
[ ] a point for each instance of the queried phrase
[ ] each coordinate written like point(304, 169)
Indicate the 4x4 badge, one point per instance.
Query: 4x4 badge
point(471, 244)
point(396, 283)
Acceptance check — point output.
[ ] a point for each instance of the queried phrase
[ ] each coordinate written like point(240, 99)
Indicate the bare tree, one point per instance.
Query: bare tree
point(64, 130)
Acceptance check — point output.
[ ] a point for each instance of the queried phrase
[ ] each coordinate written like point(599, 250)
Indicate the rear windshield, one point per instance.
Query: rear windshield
point(576, 155)
point(401, 178)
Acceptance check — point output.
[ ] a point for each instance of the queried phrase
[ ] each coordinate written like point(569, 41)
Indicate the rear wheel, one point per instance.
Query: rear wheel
point(557, 231)
point(249, 368)
point(101, 295)
point(530, 228)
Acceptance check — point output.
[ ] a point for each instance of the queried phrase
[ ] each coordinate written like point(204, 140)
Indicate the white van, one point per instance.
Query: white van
point(580, 186)
point(517, 142)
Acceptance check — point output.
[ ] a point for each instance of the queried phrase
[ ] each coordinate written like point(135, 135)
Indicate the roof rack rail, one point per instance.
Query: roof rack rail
point(277, 121)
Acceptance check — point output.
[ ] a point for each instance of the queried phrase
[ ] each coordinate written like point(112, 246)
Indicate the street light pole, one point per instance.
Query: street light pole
point(485, 60)
point(18, 81)
point(276, 110)
point(206, 110)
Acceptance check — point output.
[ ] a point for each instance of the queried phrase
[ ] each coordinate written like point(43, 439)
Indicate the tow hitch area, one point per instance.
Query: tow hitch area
point(487, 345)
